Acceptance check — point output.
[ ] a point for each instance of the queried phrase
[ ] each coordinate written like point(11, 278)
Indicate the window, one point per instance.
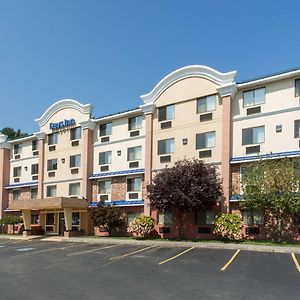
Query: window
point(104, 187)
point(52, 138)
point(253, 217)
point(166, 113)
point(17, 149)
point(34, 169)
point(254, 97)
point(16, 194)
point(165, 146)
point(105, 158)
point(134, 184)
point(74, 189)
point(206, 104)
point(17, 171)
point(134, 153)
point(75, 220)
point(206, 140)
point(297, 87)
point(75, 133)
point(52, 164)
point(165, 218)
point(105, 129)
point(254, 135)
point(51, 191)
point(33, 193)
point(297, 129)
point(135, 123)
point(34, 145)
point(131, 216)
point(205, 217)
point(34, 219)
point(75, 161)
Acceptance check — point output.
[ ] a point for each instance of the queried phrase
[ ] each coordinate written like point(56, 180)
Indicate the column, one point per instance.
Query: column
point(26, 215)
point(148, 110)
point(4, 172)
point(68, 218)
point(41, 146)
point(87, 158)
point(227, 93)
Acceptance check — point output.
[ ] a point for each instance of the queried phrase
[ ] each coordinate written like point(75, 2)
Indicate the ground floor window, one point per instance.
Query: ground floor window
point(253, 217)
point(50, 222)
point(205, 217)
point(297, 219)
point(75, 221)
point(131, 216)
point(34, 219)
point(16, 194)
point(165, 218)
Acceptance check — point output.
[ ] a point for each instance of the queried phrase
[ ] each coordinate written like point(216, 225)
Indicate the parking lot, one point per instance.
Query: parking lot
point(62, 270)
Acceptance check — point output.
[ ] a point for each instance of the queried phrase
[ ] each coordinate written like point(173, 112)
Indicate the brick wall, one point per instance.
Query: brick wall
point(235, 175)
point(118, 188)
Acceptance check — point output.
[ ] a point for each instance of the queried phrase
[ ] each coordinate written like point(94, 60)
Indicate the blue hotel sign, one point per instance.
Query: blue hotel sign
point(61, 124)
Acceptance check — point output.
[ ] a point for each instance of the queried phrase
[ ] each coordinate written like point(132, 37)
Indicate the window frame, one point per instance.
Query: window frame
point(109, 160)
point(53, 138)
point(253, 97)
point(297, 87)
point(205, 140)
point(35, 145)
point(252, 215)
point(17, 171)
point(205, 99)
point(33, 167)
point(73, 162)
point(252, 135)
point(17, 149)
point(165, 114)
point(19, 192)
point(205, 213)
point(99, 187)
point(128, 185)
point(167, 218)
point(77, 185)
point(53, 165)
point(136, 124)
point(165, 152)
point(48, 189)
point(135, 158)
point(74, 136)
point(101, 130)
point(31, 189)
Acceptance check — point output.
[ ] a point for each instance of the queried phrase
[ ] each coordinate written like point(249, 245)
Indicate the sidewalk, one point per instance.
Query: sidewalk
point(171, 244)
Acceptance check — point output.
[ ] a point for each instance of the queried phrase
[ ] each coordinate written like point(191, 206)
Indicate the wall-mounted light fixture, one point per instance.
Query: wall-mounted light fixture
point(119, 152)
point(26, 168)
point(63, 160)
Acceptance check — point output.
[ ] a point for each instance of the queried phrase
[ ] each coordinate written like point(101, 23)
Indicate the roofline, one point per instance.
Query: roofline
point(24, 139)
point(118, 115)
point(269, 78)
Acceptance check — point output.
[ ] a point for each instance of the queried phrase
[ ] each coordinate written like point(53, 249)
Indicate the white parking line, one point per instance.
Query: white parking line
point(93, 250)
point(56, 248)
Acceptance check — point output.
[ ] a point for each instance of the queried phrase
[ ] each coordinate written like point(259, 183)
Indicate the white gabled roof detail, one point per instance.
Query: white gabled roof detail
point(62, 104)
point(186, 72)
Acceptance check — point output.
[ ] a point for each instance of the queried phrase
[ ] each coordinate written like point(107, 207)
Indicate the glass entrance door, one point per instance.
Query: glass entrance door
point(50, 227)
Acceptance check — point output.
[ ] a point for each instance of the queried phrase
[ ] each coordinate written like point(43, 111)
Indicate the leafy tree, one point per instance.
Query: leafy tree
point(188, 186)
point(12, 134)
point(109, 217)
point(272, 186)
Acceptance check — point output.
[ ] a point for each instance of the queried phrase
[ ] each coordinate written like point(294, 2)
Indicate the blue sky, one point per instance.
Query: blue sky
point(108, 53)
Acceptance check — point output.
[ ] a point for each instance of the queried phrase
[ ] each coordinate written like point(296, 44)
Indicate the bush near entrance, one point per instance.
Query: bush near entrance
point(188, 186)
point(228, 226)
point(10, 220)
point(141, 226)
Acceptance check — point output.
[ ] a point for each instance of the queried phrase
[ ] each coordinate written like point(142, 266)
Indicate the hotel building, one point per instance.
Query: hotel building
point(52, 177)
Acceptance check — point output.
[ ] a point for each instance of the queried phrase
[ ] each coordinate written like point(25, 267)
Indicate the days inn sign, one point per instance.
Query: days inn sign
point(62, 124)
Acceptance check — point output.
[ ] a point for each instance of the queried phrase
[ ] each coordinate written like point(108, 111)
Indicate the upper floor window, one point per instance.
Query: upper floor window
point(17, 171)
point(51, 191)
point(34, 169)
point(297, 129)
point(105, 158)
point(165, 146)
point(253, 135)
point(52, 138)
point(166, 112)
point(74, 189)
point(52, 164)
point(34, 145)
point(75, 161)
point(134, 184)
point(297, 87)
point(135, 123)
point(106, 129)
point(17, 148)
point(134, 153)
point(254, 97)
point(104, 187)
point(206, 140)
point(16, 194)
point(206, 104)
point(75, 133)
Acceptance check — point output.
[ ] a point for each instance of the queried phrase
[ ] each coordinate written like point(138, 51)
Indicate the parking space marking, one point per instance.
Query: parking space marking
point(25, 249)
point(231, 260)
point(179, 254)
point(296, 262)
point(56, 248)
point(93, 250)
point(130, 253)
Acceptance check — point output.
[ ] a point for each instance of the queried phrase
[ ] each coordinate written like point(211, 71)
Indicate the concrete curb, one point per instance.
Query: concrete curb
point(167, 244)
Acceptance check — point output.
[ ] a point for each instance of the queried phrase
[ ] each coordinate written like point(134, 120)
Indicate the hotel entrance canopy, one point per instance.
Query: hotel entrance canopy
point(48, 203)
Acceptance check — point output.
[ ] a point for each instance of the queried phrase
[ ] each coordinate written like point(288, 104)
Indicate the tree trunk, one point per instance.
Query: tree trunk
point(182, 217)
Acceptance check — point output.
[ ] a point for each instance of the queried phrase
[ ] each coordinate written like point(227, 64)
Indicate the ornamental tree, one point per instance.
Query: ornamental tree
point(187, 186)
point(272, 186)
point(13, 134)
point(109, 217)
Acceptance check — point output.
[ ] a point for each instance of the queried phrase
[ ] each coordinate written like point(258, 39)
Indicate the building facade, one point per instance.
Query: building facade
point(52, 177)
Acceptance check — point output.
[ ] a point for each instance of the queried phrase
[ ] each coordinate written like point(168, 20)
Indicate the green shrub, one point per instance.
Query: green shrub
point(12, 220)
point(141, 226)
point(228, 226)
